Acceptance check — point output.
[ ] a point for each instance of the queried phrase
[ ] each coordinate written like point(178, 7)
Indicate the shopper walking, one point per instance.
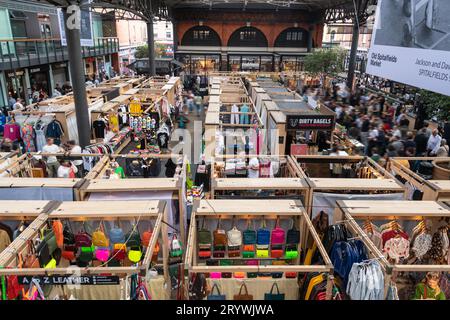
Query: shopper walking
point(52, 161)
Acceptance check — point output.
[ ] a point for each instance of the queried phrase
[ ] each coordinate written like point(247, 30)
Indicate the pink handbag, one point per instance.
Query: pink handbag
point(102, 254)
point(252, 262)
point(278, 234)
point(215, 275)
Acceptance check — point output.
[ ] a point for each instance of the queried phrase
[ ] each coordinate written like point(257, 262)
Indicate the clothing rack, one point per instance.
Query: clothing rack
point(98, 210)
point(388, 210)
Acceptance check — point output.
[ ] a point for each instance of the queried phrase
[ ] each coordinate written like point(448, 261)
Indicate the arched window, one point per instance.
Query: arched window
point(292, 37)
point(201, 36)
point(247, 37)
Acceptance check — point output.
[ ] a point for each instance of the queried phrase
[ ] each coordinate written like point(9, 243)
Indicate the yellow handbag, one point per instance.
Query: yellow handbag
point(262, 251)
point(134, 255)
point(51, 264)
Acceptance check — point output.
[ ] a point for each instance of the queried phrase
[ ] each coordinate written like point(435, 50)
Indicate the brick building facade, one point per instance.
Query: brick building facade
point(245, 40)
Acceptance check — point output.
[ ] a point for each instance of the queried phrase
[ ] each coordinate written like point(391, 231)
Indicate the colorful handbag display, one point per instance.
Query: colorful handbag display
point(243, 296)
point(274, 296)
point(263, 235)
point(217, 296)
point(102, 254)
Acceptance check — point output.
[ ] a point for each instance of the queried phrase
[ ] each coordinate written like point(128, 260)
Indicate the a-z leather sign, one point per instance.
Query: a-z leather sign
point(319, 122)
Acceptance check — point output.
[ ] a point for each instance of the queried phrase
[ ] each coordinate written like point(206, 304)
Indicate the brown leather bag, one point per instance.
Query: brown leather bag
point(220, 236)
point(243, 296)
point(31, 260)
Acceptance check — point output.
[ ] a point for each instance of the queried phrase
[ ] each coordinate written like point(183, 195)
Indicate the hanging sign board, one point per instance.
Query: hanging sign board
point(309, 122)
point(86, 32)
point(70, 280)
point(411, 43)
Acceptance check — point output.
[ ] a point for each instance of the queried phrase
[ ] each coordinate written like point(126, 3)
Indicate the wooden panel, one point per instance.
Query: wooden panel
point(214, 99)
point(212, 118)
point(261, 183)
point(141, 184)
point(395, 208)
point(289, 207)
point(355, 184)
point(214, 107)
point(105, 208)
point(12, 207)
point(38, 182)
point(441, 185)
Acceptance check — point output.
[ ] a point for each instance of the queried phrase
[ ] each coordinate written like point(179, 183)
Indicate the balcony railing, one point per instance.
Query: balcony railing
point(20, 53)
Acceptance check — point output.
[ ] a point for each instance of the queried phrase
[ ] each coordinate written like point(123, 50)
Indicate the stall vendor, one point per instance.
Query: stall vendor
point(429, 288)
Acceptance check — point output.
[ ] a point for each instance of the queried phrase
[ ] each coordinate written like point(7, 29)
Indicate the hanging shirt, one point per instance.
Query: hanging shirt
point(99, 127)
point(51, 149)
point(76, 149)
point(434, 142)
point(12, 131)
point(54, 130)
point(245, 119)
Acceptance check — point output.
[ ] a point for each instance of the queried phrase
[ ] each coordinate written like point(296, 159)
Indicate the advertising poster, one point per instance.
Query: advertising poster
point(411, 43)
point(86, 32)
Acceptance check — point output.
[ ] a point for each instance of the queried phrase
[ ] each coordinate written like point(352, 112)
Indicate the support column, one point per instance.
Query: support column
point(175, 35)
point(3, 89)
point(76, 66)
point(352, 59)
point(310, 39)
point(151, 48)
point(51, 80)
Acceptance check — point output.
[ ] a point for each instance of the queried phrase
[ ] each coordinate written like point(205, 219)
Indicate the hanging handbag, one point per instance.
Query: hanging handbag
point(243, 296)
point(83, 239)
point(239, 275)
point(119, 251)
point(135, 254)
point(274, 296)
point(220, 236)
point(249, 235)
point(278, 234)
point(291, 252)
point(293, 235)
point(58, 231)
point(133, 238)
point(217, 296)
point(69, 237)
point(102, 254)
point(99, 238)
point(215, 275)
point(116, 235)
point(263, 235)
point(176, 248)
point(234, 238)
point(204, 237)
point(31, 261)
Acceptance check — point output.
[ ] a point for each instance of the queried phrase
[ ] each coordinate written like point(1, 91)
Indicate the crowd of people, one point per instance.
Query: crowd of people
point(382, 127)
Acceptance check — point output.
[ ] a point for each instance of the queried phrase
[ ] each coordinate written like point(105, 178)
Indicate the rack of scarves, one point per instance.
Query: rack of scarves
point(117, 243)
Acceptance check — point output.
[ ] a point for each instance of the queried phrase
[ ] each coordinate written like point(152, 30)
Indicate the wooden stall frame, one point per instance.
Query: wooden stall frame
point(384, 182)
point(386, 210)
point(159, 211)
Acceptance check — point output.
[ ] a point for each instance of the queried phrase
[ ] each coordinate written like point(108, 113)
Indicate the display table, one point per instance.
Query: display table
point(256, 287)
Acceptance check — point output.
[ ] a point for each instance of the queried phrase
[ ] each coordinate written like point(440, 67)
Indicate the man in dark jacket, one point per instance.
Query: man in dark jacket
point(421, 141)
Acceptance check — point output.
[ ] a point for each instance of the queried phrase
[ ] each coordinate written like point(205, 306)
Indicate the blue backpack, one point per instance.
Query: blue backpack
point(116, 235)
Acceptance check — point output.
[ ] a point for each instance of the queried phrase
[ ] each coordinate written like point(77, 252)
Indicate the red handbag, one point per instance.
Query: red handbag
point(278, 234)
point(276, 253)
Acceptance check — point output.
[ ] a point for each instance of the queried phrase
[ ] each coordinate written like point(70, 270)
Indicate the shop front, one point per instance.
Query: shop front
point(39, 78)
point(291, 63)
point(60, 73)
point(260, 63)
point(15, 83)
point(304, 131)
point(199, 63)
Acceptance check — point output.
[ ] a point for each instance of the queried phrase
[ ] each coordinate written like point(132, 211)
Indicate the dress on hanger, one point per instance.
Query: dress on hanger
point(245, 119)
point(28, 136)
point(234, 116)
point(39, 129)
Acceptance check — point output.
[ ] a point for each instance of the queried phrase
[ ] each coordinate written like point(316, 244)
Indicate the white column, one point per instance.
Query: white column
point(3, 88)
point(52, 81)
point(27, 86)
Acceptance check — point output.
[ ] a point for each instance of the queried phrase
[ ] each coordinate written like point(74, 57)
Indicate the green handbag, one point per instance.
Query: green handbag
point(86, 254)
point(50, 239)
point(225, 262)
point(291, 252)
point(248, 254)
point(204, 236)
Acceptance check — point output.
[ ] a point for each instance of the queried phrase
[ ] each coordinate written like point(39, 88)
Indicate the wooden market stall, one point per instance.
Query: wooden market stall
point(279, 177)
point(334, 178)
point(211, 214)
point(15, 215)
point(147, 214)
point(426, 178)
point(410, 217)
point(97, 186)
